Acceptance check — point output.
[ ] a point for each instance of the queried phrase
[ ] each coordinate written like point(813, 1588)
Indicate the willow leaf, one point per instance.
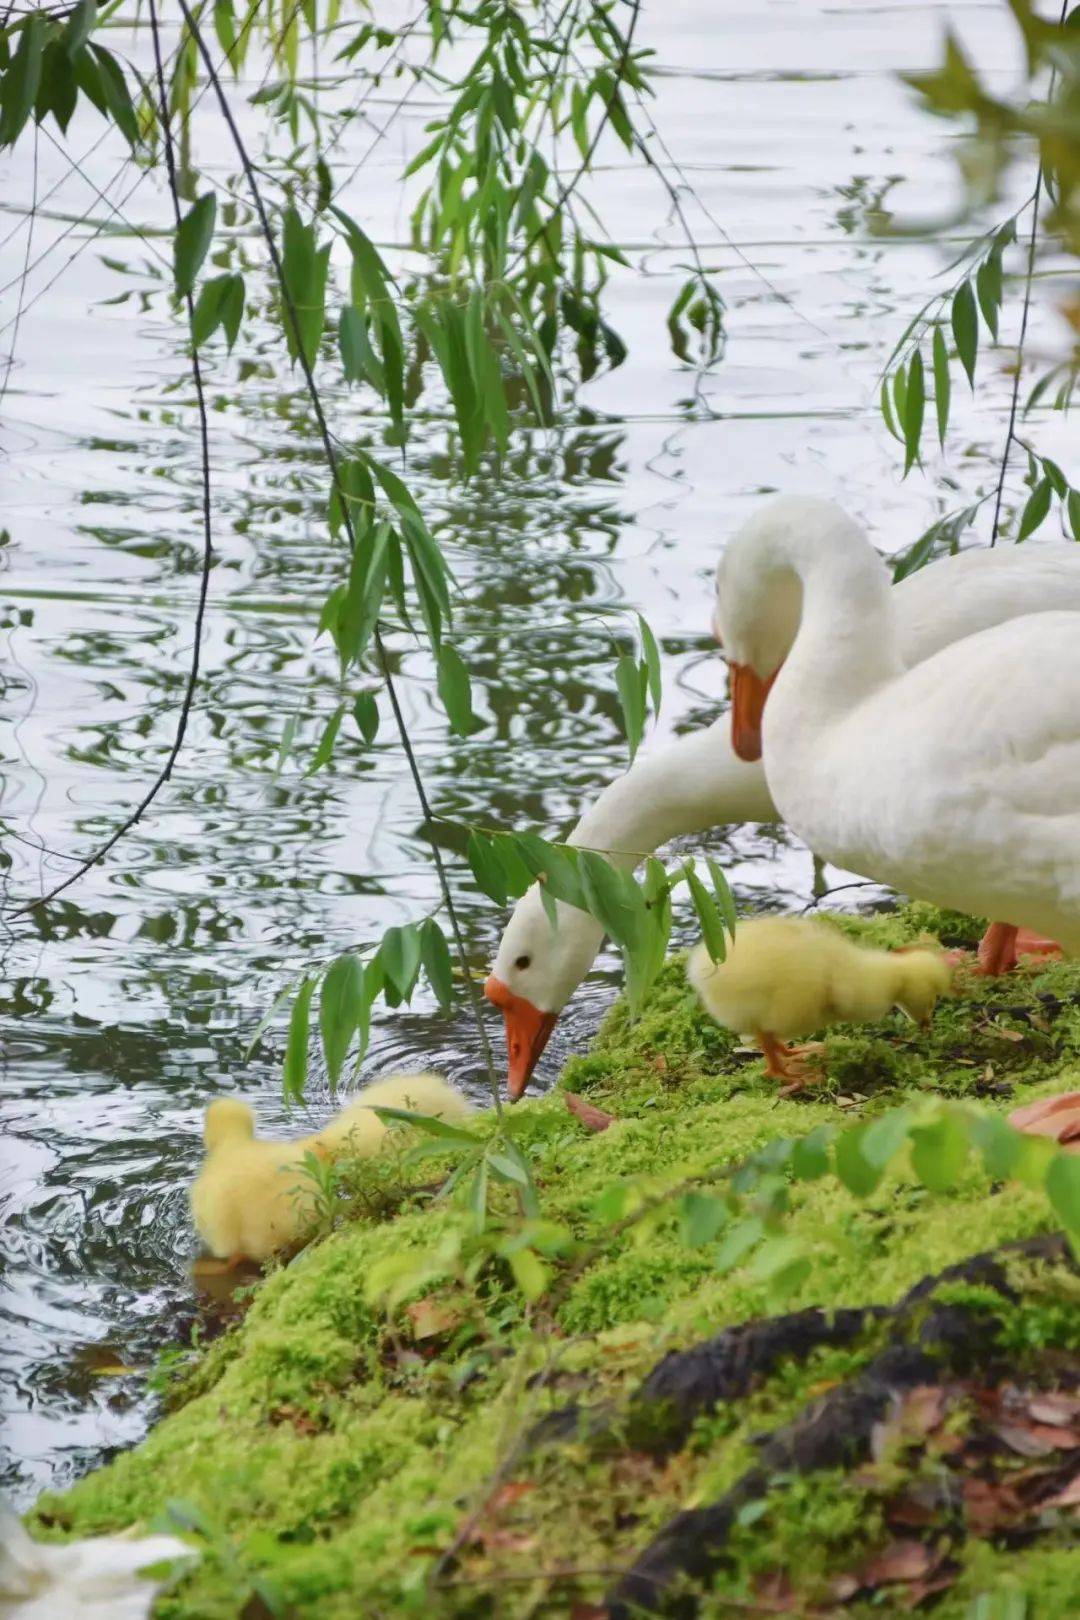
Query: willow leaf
point(1036, 509)
point(193, 237)
point(942, 383)
point(438, 964)
point(712, 927)
point(339, 1002)
point(326, 742)
point(651, 652)
point(366, 714)
point(294, 1074)
point(965, 327)
point(914, 408)
point(1073, 505)
point(400, 954)
point(486, 867)
point(455, 691)
point(631, 700)
point(988, 288)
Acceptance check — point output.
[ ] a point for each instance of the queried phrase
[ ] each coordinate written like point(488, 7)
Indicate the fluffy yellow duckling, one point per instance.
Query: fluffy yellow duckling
point(253, 1197)
point(788, 976)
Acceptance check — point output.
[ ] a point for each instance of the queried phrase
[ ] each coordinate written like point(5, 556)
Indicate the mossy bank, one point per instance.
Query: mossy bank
point(479, 1454)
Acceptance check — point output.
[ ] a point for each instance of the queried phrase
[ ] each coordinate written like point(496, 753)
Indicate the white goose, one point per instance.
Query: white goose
point(698, 782)
point(955, 781)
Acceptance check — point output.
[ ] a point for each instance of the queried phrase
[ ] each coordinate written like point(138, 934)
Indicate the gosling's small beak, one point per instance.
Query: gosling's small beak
point(748, 694)
point(527, 1033)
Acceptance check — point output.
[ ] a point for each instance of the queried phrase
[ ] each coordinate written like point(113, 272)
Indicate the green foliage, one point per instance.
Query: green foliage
point(47, 61)
point(366, 714)
point(295, 1069)
point(340, 999)
point(220, 303)
point(193, 238)
point(511, 293)
point(455, 691)
point(360, 1410)
point(638, 681)
point(1044, 112)
point(1003, 126)
point(305, 266)
point(697, 315)
point(348, 987)
point(952, 313)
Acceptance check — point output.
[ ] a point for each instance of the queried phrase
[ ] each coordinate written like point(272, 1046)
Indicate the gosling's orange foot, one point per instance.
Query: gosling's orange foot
point(795, 1064)
point(208, 1265)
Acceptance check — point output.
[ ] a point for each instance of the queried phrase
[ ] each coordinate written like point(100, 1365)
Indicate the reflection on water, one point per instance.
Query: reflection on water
point(128, 1003)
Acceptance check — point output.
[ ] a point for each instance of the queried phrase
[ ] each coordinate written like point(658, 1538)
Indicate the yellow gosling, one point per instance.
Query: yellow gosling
point(788, 976)
point(253, 1197)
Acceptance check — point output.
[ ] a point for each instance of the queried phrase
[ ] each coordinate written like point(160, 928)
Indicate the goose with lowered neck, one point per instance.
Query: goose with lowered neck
point(694, 783)
point(698, 782)
point(956, 781)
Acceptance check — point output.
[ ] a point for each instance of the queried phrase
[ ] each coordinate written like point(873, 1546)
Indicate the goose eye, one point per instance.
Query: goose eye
point(523, 962)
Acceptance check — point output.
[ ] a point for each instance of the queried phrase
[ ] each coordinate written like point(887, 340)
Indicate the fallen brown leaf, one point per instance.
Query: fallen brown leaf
point(256, 1608)
point(302, 1422)
point(989, 1505)
point(499, 1540)
point(430, 1317)
point(775, 1592)
point(919, 1412)
point(911, 1596)
point(1055, 1117)
point(1021, 1118)
point(509, 1493)
point(593, 1119)
point(1036, 1439)
point(1053, 1407)
point(919, 1504)
point(1069, 1497)
point(923, 1408)
point(900, 1561)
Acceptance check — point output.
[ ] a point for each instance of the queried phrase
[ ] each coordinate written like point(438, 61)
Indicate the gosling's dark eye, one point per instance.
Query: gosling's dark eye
point(523, 962)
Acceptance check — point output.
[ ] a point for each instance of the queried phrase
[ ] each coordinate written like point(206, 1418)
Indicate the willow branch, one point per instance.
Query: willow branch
point(332, 463)
point(208, 553)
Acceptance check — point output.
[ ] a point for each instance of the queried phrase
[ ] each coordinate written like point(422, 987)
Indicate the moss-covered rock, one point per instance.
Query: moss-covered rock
point(344, 1461)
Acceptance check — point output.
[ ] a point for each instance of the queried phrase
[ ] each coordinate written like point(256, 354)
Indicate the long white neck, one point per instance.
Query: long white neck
point(692, 784)
point(687, 787)
point(847, 642)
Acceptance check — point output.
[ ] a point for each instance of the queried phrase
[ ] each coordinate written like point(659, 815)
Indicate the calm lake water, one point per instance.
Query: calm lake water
point(128, 1003)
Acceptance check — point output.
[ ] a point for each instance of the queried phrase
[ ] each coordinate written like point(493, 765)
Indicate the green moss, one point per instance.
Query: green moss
point(335, 1458)
point(1046, 1576)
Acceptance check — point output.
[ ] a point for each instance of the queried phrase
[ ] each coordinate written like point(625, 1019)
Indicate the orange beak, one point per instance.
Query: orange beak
point(527, 1033)
point(748, 694)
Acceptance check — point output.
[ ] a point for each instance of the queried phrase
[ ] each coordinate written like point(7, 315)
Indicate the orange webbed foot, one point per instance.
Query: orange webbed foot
point(997, 949)
point(1003, 944)
point(1028, 943)
point(798, 1065)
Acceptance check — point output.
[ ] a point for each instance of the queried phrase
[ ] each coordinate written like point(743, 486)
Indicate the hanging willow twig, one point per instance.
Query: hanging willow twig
point(207, 552)
point(1010, 432)
point(333, 464)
